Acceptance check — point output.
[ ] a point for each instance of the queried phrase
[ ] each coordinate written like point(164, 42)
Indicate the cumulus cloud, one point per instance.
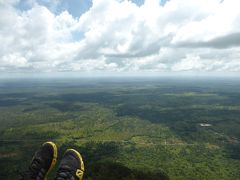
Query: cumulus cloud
point(229, 40)
point(120, 36)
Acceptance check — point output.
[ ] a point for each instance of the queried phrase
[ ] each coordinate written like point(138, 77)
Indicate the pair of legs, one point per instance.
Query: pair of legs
point(71, 166)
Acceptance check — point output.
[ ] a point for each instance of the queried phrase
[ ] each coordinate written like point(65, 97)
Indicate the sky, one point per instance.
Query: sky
point(119, 36)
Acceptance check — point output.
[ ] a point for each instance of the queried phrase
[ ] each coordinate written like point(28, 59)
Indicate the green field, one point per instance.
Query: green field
point(125, 128)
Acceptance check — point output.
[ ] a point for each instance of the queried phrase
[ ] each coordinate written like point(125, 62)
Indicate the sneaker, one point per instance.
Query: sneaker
point(42, 163)
point(71, 166)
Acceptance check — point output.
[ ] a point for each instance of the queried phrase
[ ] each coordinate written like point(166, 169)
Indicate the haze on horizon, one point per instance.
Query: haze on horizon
point(119, 38)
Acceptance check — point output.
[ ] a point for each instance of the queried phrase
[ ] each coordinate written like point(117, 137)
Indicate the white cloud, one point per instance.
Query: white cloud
point(190, 63)
point(116, 36)
point(14, 60)
point(220, 20)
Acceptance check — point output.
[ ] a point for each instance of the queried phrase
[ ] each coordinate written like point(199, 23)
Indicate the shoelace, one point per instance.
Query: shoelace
point(64, 173)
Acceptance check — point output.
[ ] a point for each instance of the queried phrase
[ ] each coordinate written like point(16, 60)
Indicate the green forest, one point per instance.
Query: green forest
point(136, 128)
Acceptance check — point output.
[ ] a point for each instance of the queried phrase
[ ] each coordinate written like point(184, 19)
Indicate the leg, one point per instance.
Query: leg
point(42, 162)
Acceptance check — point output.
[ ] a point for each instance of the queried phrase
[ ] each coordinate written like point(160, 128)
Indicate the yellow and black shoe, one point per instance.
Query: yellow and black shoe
point(42, 163)
point(71, 166)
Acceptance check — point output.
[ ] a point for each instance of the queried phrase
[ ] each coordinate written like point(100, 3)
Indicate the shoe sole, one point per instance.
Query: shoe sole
point(80, 171)
point(54, 160)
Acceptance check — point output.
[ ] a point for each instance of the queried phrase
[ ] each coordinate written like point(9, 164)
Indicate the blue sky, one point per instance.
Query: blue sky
point(75, 7)
point(120, 36)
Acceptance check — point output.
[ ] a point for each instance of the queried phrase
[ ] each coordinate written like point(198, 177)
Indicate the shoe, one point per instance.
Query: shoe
point(71, 166)
point(42, 163)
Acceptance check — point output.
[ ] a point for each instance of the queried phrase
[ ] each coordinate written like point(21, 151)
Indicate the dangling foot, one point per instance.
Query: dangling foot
point(42, 163)
point(71, 166)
